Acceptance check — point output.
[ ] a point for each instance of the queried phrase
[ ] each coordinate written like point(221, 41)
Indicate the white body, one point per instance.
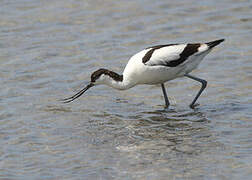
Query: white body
point(136, 72)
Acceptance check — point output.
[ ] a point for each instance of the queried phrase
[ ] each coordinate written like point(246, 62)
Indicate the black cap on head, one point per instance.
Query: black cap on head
point(96, 75)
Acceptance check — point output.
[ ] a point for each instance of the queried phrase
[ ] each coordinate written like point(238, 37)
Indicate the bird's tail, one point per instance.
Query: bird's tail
point(214, 43)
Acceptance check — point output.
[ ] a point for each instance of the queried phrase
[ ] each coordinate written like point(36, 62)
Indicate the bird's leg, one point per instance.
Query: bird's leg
point(167, 103)
point(204, 84)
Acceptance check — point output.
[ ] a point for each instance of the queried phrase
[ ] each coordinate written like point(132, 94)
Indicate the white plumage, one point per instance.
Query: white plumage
point(155, 70)
point(155, 65)
point(165, 54)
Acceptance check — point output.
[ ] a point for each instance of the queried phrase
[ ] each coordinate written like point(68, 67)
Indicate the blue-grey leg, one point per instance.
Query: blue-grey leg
point(204, 84)
point(167, 103)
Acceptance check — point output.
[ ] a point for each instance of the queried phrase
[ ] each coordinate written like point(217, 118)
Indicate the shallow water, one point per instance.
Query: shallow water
point(48, 49)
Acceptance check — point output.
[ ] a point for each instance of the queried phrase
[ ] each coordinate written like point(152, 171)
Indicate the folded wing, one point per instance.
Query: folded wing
point(171, 55)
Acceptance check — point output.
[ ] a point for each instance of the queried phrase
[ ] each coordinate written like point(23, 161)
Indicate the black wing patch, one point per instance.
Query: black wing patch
point(189, 50)
point(148, 55)
point(214, 43)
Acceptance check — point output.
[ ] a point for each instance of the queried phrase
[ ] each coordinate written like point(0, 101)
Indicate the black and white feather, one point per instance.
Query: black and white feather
point(172, 55)
point(162, 63)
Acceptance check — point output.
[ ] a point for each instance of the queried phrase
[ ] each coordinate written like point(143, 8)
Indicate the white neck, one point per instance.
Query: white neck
point(120, 85)
point(112, 79)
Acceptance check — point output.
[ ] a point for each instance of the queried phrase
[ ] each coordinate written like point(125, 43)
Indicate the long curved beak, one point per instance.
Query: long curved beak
point(67, 100)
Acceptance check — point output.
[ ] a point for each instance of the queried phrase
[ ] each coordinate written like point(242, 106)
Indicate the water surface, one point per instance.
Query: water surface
point(48, 49)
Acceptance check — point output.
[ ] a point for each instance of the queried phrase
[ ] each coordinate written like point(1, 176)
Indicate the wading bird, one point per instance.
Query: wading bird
point(155, 65)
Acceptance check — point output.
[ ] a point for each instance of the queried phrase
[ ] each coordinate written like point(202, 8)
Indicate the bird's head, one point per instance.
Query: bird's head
point(104, 76)
point(101, 76)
